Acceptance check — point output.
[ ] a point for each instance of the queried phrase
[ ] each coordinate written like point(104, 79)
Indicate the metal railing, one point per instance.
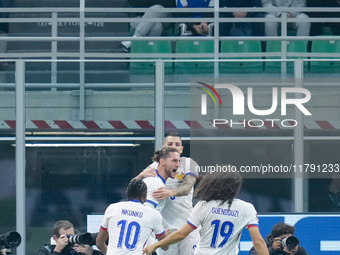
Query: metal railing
point(82, 55)
point(81, 37)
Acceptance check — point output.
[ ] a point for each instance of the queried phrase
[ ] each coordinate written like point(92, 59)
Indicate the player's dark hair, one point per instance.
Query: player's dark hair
point(61, 224)
point(136, 189)
point(174, 134)
point(163, 153)
point(282, 229)
point(219, 186)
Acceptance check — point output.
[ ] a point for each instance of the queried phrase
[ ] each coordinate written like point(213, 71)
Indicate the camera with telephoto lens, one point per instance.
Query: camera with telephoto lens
point(82, 238)
point(290, 242)
point(11, 239)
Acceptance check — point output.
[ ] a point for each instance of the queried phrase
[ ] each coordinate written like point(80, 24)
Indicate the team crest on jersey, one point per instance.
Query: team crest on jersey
point(180, 176)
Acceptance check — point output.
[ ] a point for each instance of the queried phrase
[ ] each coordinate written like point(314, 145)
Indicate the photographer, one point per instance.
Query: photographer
point(59, 243)
point(278, 244)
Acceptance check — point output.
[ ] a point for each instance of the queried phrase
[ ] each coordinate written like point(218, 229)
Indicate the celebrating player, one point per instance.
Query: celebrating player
point(178, 193)
point(129, 224)
point(168, 161)
point(221, 216)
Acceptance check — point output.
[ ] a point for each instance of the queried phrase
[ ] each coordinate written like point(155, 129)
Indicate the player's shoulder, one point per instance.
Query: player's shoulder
point(202, 205)
point(114, 206)
point(188, 160)
point(154, 164)
point(119, 204)
point(188, 165)
point(243, 204)
point(151, 180)
point(130, 205)
point(152, 211)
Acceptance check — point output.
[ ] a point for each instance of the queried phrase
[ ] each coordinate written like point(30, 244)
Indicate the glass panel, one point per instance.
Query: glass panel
point(323, 105)
point(67, 179)
point(88, 97)
point(259, 162)
point(7, 184)
point(324, 191)
point(70, 183)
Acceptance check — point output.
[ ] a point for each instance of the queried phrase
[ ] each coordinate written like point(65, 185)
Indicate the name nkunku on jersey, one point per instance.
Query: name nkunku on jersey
point(129, 225)
point(221, 227)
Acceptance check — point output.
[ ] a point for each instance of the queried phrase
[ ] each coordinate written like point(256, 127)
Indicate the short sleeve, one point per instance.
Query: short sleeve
point(253, 220)
point(151, 183)
point(197, 215)
point(105, 221)
point(194, 168)
point(158, 224)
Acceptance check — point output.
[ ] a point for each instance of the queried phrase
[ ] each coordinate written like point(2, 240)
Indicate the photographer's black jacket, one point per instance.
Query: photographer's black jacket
point(269, 241)
point(48, 249)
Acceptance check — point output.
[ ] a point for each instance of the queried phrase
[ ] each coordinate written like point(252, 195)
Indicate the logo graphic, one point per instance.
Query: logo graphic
point(239, 99)
point(204, 97)
point(180, 176)
point(282, 98)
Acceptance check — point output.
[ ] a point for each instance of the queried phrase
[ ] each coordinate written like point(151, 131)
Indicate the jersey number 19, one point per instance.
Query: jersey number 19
point(224, 230)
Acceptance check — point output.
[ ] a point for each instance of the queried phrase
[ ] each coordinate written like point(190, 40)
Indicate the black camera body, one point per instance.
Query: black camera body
point(290, 242)
point(9, 240)
point(82, 238)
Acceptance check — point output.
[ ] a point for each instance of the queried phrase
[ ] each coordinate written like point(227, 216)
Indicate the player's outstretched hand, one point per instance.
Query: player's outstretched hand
point(167, 232)
point(148, 250)
point(162, 193)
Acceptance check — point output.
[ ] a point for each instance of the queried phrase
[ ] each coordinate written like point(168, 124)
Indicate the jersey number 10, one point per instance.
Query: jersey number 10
point(130, 241)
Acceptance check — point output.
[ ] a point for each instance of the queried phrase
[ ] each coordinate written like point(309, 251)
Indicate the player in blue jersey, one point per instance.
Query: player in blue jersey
point(128, 225)
point(221, 216)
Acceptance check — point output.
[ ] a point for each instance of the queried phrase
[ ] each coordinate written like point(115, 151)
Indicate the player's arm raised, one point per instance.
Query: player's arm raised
point(189, 179)
point(183, 190)
point(188, 182)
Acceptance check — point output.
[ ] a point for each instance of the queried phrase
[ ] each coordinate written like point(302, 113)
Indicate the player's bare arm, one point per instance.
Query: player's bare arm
point(188, 183)
point(167, 232)
point(101, 240)
point(183, 190)
point(175, 237)
point(259, 244)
